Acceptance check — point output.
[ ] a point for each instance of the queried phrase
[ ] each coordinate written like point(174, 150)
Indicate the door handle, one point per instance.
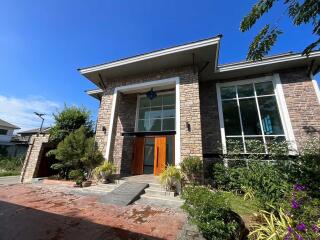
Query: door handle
point(157, 155)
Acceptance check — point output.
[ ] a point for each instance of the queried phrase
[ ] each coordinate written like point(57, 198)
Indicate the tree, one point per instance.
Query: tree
point(69, 120)
point(300, 11)
point(76, 152)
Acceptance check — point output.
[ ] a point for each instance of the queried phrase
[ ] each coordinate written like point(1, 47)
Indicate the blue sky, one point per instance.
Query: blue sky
point(42, 43)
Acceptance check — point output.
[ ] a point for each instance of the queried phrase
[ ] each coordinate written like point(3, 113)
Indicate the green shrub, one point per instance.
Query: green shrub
point(77, 175)
point(105, 171)
point(210, 212)
point(10, 166)
point(170, 178)
point(265, 180)
point(191, 168)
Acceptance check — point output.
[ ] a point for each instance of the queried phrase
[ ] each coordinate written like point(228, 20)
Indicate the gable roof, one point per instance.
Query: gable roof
point(35, 130)
point(7, 125)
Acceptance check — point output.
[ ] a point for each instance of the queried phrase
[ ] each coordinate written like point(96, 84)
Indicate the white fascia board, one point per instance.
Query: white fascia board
point(237, 66)
point(95, 91)
point(156, 54)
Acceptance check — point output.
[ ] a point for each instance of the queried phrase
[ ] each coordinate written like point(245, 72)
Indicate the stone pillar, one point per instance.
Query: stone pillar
point(33, 157)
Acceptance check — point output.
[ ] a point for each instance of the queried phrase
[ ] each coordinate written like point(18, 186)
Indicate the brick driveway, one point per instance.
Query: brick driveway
point(32, 212)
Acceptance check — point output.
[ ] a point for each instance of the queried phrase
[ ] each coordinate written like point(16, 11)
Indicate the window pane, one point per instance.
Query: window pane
point(168, 111)
point(144, 102)
point(144, 113)
point(254, 145)
point(264, 88)
point(168, 124)
point(250, 118)
point(245, 90)
point(231, 117)
point(3, 132)
point(155, 112)
point(156, 102)
point(228, 92)
point(270, 115)
point(234, 145)
point(143, 125)
point(155, 125)
point(169, 99)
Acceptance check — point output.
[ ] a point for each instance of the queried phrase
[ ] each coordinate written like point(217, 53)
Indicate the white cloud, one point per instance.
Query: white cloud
point(20, 111)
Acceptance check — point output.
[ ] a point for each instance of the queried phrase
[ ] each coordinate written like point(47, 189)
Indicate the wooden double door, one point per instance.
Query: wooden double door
point(151, 154)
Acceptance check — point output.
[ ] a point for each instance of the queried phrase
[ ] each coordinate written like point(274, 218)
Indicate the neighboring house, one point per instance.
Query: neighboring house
point(160, 107)
point(26, 135)
point(6, 134)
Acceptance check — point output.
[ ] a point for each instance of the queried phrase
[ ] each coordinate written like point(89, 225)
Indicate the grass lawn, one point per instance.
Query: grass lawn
point(248, 209)
point(10, 166)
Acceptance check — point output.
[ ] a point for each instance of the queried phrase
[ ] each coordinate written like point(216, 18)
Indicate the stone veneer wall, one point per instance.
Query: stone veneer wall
point(32, 160)
point(302, 104)
point(191, 142)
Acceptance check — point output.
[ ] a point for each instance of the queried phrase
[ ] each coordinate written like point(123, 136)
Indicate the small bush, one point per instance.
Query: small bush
point(77, 175)
point(170, 178)
point(191, 168)
point(10, 165)
point(210, 212)
point(105, 171)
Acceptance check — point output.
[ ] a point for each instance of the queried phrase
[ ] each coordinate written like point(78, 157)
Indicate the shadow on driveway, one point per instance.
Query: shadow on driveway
point(20, 222)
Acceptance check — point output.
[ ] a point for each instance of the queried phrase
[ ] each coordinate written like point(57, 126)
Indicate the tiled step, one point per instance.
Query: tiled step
point(101, 188)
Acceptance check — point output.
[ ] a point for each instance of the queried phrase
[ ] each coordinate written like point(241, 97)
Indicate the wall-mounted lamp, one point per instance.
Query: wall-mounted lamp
point(188, 126)
point(104, 129)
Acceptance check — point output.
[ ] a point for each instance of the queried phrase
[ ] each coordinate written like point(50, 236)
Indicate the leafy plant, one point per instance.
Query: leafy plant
point(170, 178)
point(210, 212)
point(191, 168)
point(77, 175)
point(105, 171)
point(273, 227)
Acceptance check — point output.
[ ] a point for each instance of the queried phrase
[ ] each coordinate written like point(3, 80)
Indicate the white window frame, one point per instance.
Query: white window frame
point(138, 108)
point(282, 107)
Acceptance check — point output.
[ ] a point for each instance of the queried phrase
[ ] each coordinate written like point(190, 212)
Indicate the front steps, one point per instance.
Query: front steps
point(155, 194)
point(101, 188)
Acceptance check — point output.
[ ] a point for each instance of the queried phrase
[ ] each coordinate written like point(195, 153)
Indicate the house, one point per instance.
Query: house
point(26, 135)
point(160, 107)
point(6, 134)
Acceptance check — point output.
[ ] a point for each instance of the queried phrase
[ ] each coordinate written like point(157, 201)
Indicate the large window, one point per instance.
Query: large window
point(250, 115)
point(157, 114)
point(3, 132)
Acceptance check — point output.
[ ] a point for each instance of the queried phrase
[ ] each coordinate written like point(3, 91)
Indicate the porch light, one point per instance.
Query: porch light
point(151, 94)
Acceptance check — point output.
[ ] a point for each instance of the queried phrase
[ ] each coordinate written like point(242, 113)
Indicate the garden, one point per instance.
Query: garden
point(253, 196)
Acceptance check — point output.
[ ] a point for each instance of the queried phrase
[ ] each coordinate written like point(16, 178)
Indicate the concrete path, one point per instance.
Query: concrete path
point(9, 180)
point(30, 212)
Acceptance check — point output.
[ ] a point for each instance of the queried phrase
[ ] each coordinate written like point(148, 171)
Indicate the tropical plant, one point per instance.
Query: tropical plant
point(210, 212)
point(192, 167)
point(105, 171)
point(170, 178)
point(301, 12)
point(274, 226)
point(69, 120)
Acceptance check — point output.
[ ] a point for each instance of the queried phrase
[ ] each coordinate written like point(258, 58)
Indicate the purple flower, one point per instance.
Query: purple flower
point(299, 187)
point(315, 228)
point(299, 237)
point(302, 227)
point(290, 229)
point(295, 204)
point(287, 236)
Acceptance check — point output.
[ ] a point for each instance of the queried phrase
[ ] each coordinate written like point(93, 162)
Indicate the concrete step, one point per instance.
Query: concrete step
point(102, 188)
point(158, 192)
point(170, 199)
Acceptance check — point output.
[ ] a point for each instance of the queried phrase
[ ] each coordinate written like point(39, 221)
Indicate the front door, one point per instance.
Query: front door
point(152, 154)
point(159, 155)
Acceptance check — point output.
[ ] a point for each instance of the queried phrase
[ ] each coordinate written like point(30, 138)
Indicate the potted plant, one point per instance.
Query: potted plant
point(105, 171)
point(170, 178)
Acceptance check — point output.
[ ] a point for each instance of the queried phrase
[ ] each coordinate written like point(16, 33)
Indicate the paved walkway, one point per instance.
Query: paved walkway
point(33, 212)
point(9, 180)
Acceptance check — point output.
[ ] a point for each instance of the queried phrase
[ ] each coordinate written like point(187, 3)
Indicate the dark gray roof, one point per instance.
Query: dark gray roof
point(35, 130)
point(7, 125)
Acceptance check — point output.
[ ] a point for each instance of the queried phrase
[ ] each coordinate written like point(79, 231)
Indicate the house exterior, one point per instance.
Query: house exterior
point(6, 134)
point(160, 107)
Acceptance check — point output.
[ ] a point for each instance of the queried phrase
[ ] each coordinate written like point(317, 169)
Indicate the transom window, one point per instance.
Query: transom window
point(250, 116)
point(157, 114)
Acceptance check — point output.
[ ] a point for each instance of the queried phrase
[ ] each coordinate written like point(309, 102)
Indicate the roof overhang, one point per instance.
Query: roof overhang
point(269, 65)
point(203, 54)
